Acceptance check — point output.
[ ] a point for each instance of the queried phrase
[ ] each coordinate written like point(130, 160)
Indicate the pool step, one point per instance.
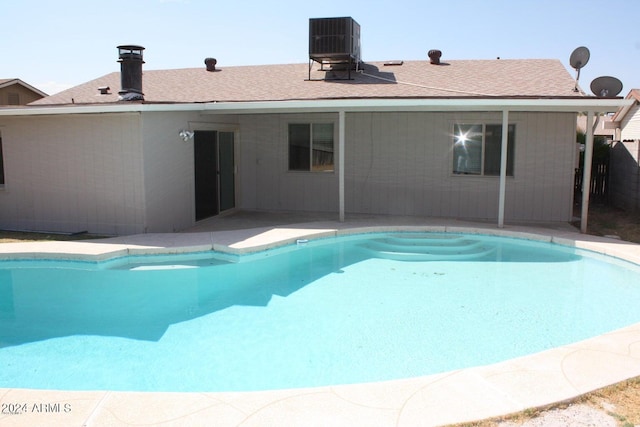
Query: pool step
point(416, 247)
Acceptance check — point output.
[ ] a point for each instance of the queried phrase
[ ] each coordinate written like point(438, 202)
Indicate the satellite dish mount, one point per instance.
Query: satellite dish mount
point(578, 59)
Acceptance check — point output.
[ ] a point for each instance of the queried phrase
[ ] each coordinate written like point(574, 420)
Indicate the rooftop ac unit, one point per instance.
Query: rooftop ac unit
point(334, 41)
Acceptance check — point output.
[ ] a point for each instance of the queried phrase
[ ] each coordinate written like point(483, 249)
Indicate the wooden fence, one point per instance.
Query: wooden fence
point(599, 187)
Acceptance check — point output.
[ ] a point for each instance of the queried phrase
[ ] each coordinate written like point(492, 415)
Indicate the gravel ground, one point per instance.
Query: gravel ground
point(573, 416)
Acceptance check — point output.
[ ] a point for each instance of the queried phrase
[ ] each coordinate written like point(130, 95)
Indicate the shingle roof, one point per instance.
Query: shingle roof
point(529, 78)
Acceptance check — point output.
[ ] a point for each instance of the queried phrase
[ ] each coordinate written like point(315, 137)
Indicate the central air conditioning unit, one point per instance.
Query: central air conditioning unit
point(334, 43)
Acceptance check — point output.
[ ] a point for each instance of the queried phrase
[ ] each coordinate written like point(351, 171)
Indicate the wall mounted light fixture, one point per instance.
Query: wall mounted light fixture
point(186, 135)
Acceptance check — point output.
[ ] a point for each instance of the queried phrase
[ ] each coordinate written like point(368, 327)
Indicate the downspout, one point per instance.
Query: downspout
point(341, 142)
point(503, 167)
point(586, 174)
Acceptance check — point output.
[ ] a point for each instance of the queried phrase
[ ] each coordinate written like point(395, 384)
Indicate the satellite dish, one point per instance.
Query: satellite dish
point(606, 87)
point(578, 59)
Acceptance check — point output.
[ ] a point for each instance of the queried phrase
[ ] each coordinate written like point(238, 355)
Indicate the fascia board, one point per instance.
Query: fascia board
point(367, 105)
point(349, 105)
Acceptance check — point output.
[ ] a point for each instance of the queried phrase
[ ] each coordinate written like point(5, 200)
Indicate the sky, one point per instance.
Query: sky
point(57, 44)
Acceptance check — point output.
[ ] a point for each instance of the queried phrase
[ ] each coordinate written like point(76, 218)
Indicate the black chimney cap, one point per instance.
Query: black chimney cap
point(130, 59)
point(130, 51)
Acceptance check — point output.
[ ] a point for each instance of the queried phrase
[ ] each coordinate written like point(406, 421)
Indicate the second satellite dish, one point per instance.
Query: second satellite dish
point(606, 87)
point(578, 59)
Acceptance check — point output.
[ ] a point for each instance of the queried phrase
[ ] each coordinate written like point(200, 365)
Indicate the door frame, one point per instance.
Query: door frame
point(217, 127)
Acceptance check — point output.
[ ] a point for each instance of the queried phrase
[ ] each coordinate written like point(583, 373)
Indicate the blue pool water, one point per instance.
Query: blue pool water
point(333, 311)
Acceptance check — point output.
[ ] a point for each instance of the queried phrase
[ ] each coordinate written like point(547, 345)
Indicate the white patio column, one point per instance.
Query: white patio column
point(341, 138)
point(586, 173)
point(503, 166)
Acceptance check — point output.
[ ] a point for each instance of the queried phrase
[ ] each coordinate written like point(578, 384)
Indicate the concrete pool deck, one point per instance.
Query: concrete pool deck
point(452, 397)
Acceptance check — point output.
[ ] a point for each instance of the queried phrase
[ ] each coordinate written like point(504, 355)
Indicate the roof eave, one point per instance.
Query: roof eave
point(453, 104)
point(633, 95)
point(597, 105)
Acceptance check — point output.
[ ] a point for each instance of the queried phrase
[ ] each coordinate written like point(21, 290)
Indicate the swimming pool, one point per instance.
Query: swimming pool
point(331, 311)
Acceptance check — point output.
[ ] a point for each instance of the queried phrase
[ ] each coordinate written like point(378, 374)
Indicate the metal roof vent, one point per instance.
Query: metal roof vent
point(434, 56)
point(211, 64)
point(130, 72)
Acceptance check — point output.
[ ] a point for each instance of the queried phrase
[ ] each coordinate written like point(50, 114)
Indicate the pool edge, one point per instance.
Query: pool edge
point(469, 394)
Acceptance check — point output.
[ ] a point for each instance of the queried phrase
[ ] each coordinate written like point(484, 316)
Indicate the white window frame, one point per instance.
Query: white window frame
point(311, 125)
point(459, 146)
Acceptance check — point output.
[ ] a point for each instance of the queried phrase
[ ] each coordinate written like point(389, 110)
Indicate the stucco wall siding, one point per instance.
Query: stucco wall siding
point(169, 167)
point(267, 182)
point(131, 173)
point(401, 164)
point(542, 188)
point(73, 173)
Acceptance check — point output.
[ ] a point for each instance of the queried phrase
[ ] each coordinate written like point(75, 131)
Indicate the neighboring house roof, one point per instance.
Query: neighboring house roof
point(9, 82)
point(605, 127)
point(633, 94)
point(528, 78)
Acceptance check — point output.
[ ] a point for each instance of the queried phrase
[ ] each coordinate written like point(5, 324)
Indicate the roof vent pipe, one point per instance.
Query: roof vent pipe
point(434, 56)
point(211, 64)
point(130, 59)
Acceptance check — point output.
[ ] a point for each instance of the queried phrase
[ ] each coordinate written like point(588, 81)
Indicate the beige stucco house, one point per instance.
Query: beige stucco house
point(474, 139)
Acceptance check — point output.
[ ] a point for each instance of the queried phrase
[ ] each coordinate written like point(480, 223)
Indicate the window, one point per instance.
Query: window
point(477, 149)
point(311, 147)
point(1, 165)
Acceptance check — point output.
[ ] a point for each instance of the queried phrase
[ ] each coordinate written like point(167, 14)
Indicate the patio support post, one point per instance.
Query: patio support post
point(503, 166)
point(341, 138)
point(586, 174)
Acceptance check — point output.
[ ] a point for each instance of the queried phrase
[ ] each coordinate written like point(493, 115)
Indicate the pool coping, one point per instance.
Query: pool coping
point(459, 396)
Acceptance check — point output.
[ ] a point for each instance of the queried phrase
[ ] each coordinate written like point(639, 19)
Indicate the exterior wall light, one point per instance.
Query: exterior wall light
point(186, 135)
